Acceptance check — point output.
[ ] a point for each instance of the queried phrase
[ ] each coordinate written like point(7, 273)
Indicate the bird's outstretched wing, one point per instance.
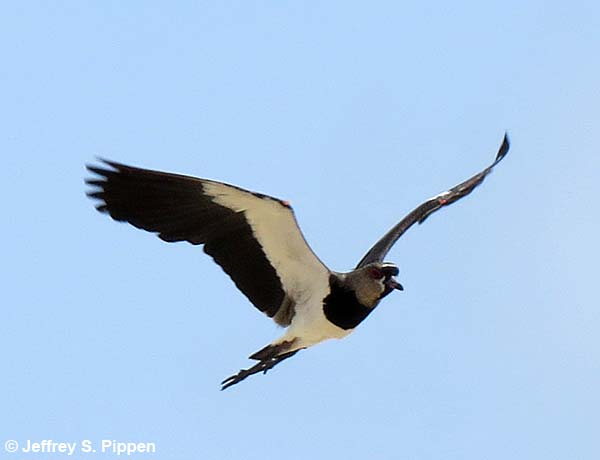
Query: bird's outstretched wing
point(253, 237)
point(382, 247)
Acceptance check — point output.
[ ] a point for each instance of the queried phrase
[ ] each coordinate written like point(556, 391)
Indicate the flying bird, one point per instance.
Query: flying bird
point(256, 240)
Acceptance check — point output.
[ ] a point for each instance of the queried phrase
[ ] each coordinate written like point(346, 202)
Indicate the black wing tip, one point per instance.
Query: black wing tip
point(101, 169)
point(96, 170)
point(96, 184)
point(504, 148)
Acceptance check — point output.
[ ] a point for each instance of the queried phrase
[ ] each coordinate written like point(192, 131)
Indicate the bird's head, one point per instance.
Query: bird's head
point(374, 281)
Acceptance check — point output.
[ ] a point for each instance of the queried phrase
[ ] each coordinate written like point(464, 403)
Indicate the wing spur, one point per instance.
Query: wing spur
point(383, 246)
point(253, 237)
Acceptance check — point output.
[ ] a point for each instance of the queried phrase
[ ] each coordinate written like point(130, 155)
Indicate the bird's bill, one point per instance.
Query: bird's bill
point(392, 283)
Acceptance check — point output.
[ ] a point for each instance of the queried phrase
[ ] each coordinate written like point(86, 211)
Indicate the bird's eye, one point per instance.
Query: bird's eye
point(375, 273)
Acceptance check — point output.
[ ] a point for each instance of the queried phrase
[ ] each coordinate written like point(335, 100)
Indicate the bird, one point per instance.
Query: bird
point(256, 240)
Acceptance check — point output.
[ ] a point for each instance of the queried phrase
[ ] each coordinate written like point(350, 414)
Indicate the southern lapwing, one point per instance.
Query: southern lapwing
point(256, 240)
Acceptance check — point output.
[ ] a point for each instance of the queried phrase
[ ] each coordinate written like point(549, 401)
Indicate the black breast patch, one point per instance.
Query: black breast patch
point(341, 306)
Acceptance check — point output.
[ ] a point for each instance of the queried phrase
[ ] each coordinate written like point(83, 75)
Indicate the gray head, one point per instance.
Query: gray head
point(373, 282)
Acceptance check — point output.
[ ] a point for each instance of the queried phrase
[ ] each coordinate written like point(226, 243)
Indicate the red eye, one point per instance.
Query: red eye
point(375, 273)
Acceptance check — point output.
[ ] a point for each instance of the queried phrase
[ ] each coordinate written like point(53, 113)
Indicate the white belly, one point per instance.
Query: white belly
point(310, 326)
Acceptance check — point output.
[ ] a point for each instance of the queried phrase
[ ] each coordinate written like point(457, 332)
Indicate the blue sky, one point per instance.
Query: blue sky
point(355, 112)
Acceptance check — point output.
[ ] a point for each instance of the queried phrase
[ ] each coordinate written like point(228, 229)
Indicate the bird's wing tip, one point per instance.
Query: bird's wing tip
point(504, 148)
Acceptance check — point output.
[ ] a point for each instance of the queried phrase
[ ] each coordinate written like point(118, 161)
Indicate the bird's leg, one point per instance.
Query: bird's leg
point(242, 374)
point(262, 366)
point(278, 359)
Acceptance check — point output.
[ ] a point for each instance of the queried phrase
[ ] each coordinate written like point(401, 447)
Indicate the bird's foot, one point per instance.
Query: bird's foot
point(262, 366)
